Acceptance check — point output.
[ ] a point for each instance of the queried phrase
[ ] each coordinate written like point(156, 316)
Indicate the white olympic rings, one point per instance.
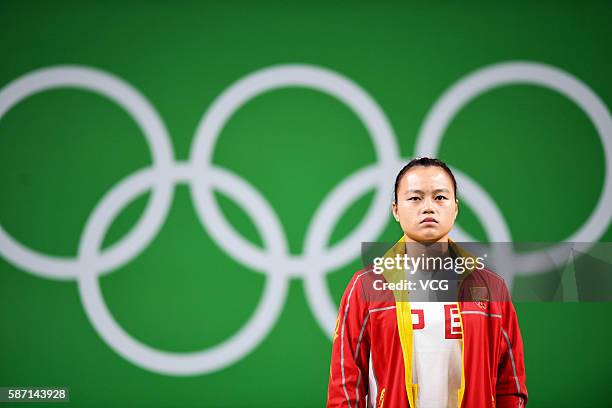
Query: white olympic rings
point(274, 259)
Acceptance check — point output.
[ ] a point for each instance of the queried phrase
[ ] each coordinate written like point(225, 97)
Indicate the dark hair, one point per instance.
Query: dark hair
point(426, 162)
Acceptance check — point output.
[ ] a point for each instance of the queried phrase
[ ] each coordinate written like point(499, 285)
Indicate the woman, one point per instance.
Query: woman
point(388, 351)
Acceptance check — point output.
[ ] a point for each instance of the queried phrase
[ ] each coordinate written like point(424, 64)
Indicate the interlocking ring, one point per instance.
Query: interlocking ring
point(274, 260)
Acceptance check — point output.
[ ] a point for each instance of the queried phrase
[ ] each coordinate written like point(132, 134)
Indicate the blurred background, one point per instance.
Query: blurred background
point(135, 298)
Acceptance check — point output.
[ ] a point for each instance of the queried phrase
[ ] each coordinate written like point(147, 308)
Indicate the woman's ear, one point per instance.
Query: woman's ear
point(456, 207)
point(394, 211)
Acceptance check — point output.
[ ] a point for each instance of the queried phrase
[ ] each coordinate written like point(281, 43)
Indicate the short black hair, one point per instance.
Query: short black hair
point(426, 162)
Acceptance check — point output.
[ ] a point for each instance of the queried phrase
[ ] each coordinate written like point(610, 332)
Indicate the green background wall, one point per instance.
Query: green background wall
point(533, 150)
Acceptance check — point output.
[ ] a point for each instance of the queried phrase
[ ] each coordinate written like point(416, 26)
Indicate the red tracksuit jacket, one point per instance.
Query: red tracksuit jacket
point(372, 346)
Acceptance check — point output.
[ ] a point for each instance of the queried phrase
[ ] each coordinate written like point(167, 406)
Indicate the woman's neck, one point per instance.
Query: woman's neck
point(428, 249)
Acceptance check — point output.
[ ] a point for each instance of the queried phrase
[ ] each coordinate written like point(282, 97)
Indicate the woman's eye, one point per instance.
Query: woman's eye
point(443, 198)
point(413, 198)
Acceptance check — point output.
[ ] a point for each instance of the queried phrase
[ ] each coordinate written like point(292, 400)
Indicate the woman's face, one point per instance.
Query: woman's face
point(426, 207)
